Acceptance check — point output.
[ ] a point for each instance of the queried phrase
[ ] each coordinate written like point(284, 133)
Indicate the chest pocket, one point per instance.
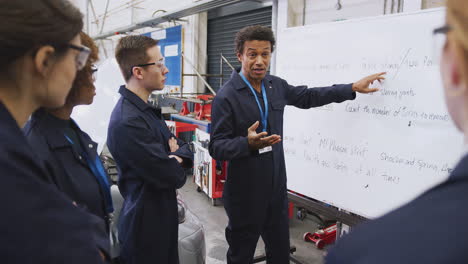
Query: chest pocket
point(277, 105)
point(275, 118)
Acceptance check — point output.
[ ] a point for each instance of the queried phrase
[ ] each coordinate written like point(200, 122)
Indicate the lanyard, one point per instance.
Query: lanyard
point(98, 170)
point(264, 115)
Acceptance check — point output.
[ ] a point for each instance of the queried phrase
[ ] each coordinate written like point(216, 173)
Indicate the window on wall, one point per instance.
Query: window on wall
point(307, 12)
point(432, 3)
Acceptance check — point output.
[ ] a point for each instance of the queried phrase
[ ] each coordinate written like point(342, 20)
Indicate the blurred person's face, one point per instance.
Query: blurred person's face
point(255, 59)
point(455, 88)
point(84, 95)
point(58, 75)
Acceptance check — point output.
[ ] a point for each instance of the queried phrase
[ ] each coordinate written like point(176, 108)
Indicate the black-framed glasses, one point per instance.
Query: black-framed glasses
point(94, 71)
point(82, 56)
point(439, 36)
point(442, 30)
point(160, 64)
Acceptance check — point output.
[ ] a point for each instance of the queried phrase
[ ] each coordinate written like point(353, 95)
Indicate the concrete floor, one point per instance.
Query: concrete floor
point(214, 221)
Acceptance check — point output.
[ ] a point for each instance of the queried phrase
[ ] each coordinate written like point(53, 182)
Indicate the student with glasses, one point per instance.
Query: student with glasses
point(68, 153)
point(432, 228)
point(149, 158)
point(40, 51)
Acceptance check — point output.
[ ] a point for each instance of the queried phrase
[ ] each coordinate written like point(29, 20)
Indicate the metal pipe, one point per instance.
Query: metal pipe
point(197, 93)
point(104, 48)
point(94, 14)
point(274, 27)
point(104, 18)
point(195, 8)
point(227, 62)
point(327, 211)
point(192, 100)
point(123, 7)
point(87, 16)
point(132, 12)
point(206, 75)
point(102, 28)
point(303, 12)
point(182, 81)
point(199, 75)
point(221, 70)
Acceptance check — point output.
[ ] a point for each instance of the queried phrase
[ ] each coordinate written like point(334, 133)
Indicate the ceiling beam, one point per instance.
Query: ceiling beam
point(195, 8)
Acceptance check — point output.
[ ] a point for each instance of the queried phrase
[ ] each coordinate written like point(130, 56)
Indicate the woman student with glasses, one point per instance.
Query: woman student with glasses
point(41, 52)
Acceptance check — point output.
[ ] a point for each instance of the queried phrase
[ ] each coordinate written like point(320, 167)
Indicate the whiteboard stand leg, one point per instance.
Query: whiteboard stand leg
point(293, 259)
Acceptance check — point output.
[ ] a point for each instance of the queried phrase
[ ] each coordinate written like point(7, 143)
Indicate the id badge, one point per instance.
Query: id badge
point(265, 149)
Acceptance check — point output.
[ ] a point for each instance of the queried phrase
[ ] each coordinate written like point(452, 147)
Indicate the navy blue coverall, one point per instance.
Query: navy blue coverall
point(138, 140)
point(65, 151)
point(431, 229)
point(255, 193)
point(38, 223)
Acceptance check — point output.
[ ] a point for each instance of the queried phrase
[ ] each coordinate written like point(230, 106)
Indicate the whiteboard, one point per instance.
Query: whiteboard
point(373, 154)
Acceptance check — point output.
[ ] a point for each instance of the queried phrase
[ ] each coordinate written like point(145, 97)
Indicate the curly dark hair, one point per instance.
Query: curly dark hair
point(84, 76)
point(256, 32)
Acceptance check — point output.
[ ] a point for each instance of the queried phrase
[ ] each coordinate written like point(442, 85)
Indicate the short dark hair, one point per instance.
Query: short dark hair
point(256, 32)
point(84, 76)
point(131, 51)
point(27, 25)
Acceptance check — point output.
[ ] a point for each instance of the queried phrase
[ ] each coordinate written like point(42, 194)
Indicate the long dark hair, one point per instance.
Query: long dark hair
point(27, 25)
